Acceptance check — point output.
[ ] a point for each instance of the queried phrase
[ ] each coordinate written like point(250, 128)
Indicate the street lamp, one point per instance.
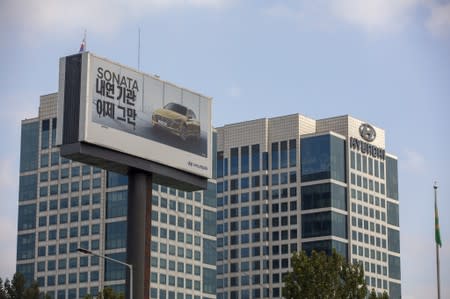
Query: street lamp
point(130, 267)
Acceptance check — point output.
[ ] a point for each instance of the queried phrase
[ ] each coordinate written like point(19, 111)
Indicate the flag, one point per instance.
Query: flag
point(83, 45)
point(437, 233)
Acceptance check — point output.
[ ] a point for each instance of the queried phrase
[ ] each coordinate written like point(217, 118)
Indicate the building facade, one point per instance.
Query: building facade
point(292, 183)
point(65, 205)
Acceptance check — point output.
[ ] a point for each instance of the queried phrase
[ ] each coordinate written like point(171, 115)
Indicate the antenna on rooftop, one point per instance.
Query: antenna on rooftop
point(139, 48)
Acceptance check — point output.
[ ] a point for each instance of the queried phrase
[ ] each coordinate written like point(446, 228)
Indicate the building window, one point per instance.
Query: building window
point(322, 157)
point(116, 204)
point(327, 246)
point(75, 171)
point(114, 271)
point(275, 156)
point(255, 157)
point(394, 267)
point(234, 160)
point(27, 217)
point(245, 161)
point(25, 246)
point(292, 152)
point(324, 195)
point(283, 154)
point(393, 240)
point(29, 147)
point(28, 187)
point(55, 158)
point(116, 179)
point(324, 224)
point(391, 178)
point(116, 235)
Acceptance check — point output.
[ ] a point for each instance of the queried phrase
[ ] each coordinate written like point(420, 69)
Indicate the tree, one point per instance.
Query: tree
point(384, 295)
point(32, 292)
point(374, 295)
point(17, 288)
point(107, 293)
point(322, 276)
point(3, 293)
point(6, 287)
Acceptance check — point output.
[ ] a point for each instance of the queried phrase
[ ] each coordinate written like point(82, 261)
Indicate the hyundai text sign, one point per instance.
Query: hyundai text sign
point(368, 133)
point(130, 112)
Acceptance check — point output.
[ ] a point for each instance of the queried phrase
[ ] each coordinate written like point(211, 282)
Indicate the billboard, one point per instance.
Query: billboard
point(134, 113)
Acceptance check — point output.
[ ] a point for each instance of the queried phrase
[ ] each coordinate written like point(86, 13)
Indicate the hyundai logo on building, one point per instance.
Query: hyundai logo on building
point(367, 132)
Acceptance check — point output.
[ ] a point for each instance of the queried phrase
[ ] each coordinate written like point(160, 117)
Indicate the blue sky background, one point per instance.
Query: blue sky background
point(386, 62)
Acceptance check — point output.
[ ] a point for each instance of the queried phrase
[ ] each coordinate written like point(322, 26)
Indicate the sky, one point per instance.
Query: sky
point(382, 61)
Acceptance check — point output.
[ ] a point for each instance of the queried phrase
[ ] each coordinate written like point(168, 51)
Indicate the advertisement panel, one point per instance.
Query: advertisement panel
point(140, 115)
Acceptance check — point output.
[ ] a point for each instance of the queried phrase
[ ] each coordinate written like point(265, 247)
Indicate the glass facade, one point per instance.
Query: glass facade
point(256, 157)
point(324, 224)
point(394, 267)
point(393, 240)
point(27, 217)
point(323, 157)
point(324, 196)
point(27, 187)
point(393, 214)
point(116, 204)
point(391, 178)
point(327, 246)
point(29, 146)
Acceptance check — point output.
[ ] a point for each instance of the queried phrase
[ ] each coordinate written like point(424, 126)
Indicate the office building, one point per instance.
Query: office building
point(64, 205)
point(293, 183)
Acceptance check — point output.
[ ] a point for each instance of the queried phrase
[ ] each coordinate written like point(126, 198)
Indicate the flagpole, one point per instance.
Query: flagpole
point(437, 245)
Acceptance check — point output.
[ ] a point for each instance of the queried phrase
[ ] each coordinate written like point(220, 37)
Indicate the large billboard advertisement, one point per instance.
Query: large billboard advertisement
point(140, 115)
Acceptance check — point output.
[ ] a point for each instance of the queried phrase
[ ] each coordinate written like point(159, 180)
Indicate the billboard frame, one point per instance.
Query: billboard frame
point(75, 143)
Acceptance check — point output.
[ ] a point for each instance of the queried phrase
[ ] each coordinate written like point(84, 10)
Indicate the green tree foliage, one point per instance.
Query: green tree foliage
point(18, 288)
point(32, 292)
point(107, 293)
point(374, 295)
point(320, 276)
point(384, 295)
point(3, 294)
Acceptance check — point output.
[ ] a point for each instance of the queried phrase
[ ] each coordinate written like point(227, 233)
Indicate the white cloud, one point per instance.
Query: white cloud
point(439, 22)
point(413, 161)
point(100, 16)
point(375, 15)
point(371, 16)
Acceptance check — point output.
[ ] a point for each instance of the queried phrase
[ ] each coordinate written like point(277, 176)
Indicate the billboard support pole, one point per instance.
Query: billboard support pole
point(139, 231)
